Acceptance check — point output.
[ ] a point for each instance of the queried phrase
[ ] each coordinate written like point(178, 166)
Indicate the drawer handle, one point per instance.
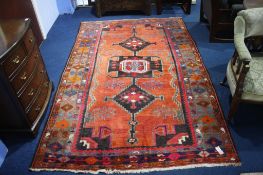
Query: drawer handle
point(23, 77)
point(31, 92)
point(37, 108)
point(16, 60)
point(31, 40)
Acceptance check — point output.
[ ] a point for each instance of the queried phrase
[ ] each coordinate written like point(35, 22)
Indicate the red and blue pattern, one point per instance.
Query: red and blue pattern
point(136, 104)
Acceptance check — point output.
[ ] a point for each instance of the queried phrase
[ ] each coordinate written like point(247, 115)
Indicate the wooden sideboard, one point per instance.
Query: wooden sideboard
point(185, 4)
point(103, 6)
point(17, 9)
point(25, 87)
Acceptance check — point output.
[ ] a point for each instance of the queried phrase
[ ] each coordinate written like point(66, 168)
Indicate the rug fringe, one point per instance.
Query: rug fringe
point(137, 170)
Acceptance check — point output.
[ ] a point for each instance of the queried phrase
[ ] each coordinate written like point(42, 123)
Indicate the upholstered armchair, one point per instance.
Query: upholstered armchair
point(244, 73)
point(220, 15)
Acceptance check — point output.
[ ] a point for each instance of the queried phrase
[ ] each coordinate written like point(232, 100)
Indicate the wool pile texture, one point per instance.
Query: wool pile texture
point(135, 96)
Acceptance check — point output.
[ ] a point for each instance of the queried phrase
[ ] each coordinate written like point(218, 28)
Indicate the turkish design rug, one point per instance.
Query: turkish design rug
point(134, 97)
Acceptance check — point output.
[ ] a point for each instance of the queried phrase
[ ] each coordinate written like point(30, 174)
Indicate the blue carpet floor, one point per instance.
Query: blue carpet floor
point(247, 133)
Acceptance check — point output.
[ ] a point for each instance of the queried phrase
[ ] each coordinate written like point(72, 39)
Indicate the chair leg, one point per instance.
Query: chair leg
point(223, 83)
point(186, 6)
point(233, 108)
point(159, 6)
point(234, 57)
point(212, 35)
point(202, 18)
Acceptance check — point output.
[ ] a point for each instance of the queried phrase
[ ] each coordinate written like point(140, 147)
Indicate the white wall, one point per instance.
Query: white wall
point(47, 13)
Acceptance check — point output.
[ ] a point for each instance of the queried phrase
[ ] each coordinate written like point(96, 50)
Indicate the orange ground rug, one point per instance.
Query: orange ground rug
point(134, 97)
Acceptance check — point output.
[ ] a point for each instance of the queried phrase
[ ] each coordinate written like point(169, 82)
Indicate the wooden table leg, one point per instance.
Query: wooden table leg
point(148, 7)
point(186, 6)
point(98, 8)
point(159, 6)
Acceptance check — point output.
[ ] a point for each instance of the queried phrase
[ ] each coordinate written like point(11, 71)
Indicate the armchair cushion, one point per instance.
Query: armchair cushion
point(254, 21)
point(253, 84)
point(239, 39)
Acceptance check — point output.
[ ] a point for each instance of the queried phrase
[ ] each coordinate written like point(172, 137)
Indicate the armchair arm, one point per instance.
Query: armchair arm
point(239, 39)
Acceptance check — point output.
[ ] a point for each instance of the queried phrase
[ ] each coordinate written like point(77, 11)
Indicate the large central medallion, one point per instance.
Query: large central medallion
point(133, 99)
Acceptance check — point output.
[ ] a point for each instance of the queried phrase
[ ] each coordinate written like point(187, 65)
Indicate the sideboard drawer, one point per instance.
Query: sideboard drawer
point(14, 60)
point(39, 77)
point(39, 103)
point(108, 5)
point(25, 74)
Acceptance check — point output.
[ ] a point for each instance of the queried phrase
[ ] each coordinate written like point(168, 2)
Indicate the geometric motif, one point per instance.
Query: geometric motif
point(133, 99)
point(67, 107)
point(55, 147)
point(180, 136)
point(199, 90)
point(134, 44)
point(70, 92)
point(135, 66)
point(89, 140)
point(203, 103)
